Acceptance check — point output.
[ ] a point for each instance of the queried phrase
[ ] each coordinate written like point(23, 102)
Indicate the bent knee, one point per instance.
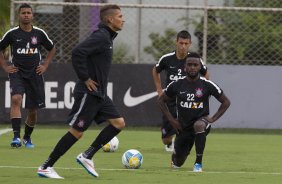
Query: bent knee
point(118, 123)
point(199, 126)
point(77, 134)
point(16, 99)
point(32, 111)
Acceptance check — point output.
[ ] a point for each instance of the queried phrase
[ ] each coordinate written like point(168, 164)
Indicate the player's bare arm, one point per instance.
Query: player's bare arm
point(157, 81)
point(91, 84)
point(43, 67)
point(225, 103)
point(162, 104)
point(7, 68)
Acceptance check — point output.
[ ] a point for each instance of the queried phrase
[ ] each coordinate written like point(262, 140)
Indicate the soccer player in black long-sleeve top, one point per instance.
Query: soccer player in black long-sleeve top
point(25, 72)
point(91, 61)
point(192, 123)
point(173, 64)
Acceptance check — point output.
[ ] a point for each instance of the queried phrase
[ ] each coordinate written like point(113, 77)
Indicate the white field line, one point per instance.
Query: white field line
point(64, 168)
point(103, 169)
point(6, 130)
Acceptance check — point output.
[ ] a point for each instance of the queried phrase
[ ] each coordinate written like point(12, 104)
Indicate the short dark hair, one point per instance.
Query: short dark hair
point(183, 34)
point(25, 5)
point(193, 55)
point(107, 10)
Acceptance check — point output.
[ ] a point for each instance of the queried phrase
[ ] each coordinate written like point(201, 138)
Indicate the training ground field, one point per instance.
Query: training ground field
point(229, 158)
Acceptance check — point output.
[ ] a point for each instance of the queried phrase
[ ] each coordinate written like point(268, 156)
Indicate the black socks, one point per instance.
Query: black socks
point(103, 138)
point(60, 149)
point(27, 131)
point(16, 125)
point(68, 140)
point(200, 142)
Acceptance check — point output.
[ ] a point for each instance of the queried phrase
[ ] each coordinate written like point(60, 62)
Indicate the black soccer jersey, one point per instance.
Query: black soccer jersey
point(192, 99)
point(92, 58)
point(26, 48)
point(174, 67)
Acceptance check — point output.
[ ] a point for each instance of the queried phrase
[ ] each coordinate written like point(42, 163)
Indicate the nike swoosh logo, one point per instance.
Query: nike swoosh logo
point(131, 101)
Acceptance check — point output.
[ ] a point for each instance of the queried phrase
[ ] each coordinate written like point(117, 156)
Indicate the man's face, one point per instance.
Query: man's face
point(116, 21)
point(192, 67)
point(25, 15)
point(182, 45)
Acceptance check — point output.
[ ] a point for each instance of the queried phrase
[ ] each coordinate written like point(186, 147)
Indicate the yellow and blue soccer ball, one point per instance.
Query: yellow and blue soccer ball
point(132, 159)
point(111, 146)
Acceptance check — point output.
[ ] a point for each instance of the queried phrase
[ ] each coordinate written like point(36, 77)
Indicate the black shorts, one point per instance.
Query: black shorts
point(87, 108)
point(184, 141)
point(32, 87)
point(166, 129)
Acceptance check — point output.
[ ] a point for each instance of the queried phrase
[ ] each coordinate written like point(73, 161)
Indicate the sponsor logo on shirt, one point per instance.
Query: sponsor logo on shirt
point(27, 51)
point(175, 77)
point(192, 105)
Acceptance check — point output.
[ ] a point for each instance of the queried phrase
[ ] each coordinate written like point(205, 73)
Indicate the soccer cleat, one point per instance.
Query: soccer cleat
point(49, 172)
point(197, 168)
point(87, 164)
point(16, 142)
point(28, 143)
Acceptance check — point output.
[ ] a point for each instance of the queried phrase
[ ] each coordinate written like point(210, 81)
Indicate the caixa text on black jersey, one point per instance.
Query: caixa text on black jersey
point(192, 105)
point(27, 51)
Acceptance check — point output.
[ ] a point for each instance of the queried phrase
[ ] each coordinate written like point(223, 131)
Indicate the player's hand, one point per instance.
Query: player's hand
point(208, 119)
point(41, 69)
point(160, 92)
point(10, 69)
point(91, 85)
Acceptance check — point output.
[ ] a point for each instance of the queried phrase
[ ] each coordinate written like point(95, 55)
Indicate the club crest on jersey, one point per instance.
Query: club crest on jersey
point(199, 92)
point(81, 123)
point(34, 40)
